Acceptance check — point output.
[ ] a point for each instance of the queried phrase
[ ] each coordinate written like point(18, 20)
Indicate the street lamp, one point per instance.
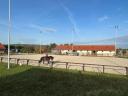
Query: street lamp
point(9, 30)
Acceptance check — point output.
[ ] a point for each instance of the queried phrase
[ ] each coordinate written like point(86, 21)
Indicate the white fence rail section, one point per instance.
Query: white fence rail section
point(122, 70)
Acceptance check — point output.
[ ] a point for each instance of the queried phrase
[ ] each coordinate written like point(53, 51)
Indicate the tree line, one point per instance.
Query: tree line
point(30, 48)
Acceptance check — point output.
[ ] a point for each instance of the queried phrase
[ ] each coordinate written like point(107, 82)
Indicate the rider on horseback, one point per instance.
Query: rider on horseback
point(46, 54)
point(46, 58)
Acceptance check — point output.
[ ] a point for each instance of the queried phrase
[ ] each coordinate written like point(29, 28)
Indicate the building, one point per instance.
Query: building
point(2, 48)
point(89, 50)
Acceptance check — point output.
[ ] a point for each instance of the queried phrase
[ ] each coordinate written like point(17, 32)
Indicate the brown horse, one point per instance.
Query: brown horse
point(46, 58)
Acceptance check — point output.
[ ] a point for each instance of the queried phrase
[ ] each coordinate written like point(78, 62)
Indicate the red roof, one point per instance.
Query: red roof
point(87, 47)
point(2, 46)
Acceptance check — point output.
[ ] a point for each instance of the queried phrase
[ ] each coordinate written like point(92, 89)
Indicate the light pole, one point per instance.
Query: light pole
point(73, 39)
point(116, 30)
point(9, 31)
point(40, 41)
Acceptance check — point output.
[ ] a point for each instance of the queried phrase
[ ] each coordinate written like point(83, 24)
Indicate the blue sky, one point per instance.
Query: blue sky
point(88, 20)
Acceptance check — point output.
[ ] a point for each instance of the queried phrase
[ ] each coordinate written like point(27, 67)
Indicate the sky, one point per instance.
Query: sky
point(63, 21)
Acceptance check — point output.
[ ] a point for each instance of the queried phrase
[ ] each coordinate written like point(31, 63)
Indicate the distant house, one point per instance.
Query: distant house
point(89, 50)
point(2, 48)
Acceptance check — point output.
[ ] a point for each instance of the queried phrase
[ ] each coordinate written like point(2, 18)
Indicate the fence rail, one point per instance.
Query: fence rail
point(123, 70)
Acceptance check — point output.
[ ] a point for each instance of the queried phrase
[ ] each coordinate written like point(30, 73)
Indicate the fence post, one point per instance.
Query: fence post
point(1, 59)
point(52, 64)
point(10, 59)
point(39, 63)
point(66, 65)
point(126, 70)
point(103, 69)
point(83, 67)
point(17, 61)
point(27, 61)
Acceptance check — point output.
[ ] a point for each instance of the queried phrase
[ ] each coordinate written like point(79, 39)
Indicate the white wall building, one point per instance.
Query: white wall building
point(87, 50)
point(2, 49)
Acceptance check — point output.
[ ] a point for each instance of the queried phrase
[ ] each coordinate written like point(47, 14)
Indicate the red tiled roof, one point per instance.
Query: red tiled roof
point(2, 46)
point(87, 47)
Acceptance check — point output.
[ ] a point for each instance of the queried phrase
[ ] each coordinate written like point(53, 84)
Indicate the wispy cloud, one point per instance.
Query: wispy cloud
point(126, 21)
point(119, 9)
point(70, 17)
point(42, 29)
point(103, 18)
point(27, 41)
point(3, 24)
point(121, 41)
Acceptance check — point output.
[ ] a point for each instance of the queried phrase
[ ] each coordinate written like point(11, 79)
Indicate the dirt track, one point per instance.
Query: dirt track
point(80, 59)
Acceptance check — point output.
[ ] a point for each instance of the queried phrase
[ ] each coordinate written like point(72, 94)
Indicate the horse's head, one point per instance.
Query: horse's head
point(40, 59)
point(51, 57)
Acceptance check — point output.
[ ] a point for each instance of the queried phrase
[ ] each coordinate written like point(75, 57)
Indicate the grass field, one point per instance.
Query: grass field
point(35, 81)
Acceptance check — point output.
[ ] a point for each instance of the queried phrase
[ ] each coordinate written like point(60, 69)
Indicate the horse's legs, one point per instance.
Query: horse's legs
point(48, 61)
point(40, 60)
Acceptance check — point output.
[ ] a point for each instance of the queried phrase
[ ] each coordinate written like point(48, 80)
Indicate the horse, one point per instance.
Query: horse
point(46, 58)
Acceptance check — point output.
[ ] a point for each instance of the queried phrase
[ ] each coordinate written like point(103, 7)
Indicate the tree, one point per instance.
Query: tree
point(66, 44)
point(28, 49)
point(51, 46)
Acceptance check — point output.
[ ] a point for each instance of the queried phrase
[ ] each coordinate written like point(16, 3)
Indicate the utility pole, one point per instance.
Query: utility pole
point(9, 31)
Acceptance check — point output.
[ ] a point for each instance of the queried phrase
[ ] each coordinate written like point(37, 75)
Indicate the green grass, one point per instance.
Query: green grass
point(126, 57)
point(35, 81)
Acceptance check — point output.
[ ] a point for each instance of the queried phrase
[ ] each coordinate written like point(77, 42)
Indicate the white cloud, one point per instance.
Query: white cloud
point(103, 18)
point(49, 30)
point(42, 29)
